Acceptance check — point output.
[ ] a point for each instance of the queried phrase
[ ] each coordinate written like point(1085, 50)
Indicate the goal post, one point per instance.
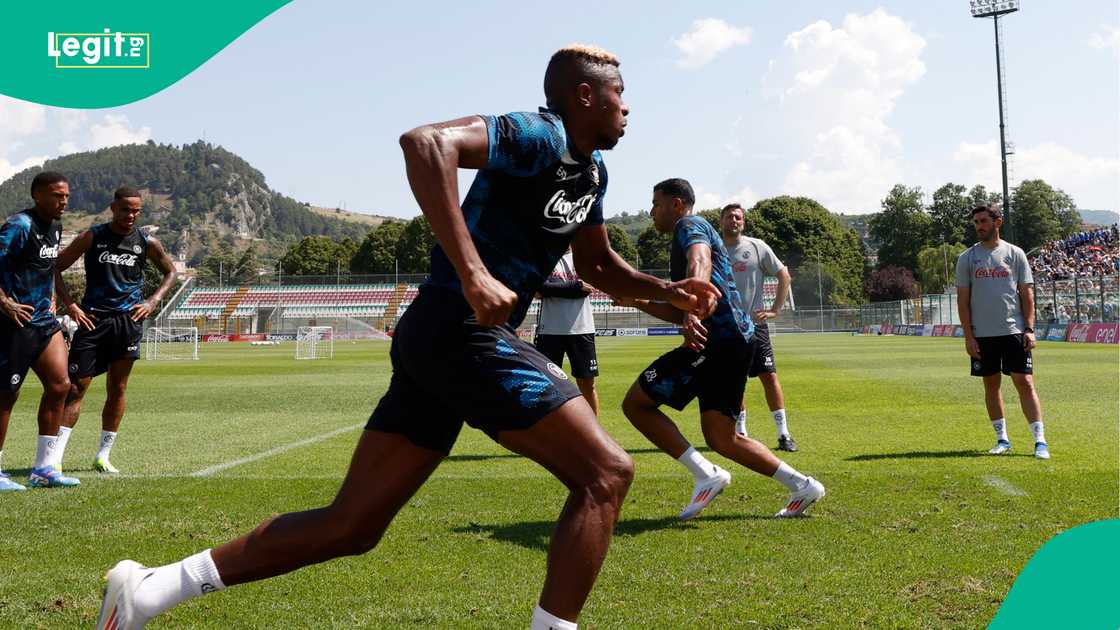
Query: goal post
point(162, 343)
point(315, 342)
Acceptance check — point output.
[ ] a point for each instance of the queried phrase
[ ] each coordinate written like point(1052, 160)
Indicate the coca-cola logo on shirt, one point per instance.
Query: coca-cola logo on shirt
point(48, 251)
point(993, 272)
point(124, 260)
point(566, 211)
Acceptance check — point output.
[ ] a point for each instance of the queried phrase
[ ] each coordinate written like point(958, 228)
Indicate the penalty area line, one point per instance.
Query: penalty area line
point(217, 468)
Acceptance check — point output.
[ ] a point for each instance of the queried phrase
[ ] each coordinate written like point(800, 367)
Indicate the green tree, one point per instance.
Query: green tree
point(653, 248)
point(621, 244)
point(378, 251)
point(950, 213)
point(902, 229)
point(315, 256)
point(1041, 213)
point(937, 266)
point(414, 249)
point(802, 232)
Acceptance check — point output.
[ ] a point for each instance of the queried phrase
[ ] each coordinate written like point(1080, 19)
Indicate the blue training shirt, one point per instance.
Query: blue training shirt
point(114, 270)
point(729, 320)
point(28, 249)
point(525, 207)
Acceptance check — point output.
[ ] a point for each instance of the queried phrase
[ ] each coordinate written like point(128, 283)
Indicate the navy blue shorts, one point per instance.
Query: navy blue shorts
point(717, 376)
point(1005, 354)
point(447, 370)
point(20, 348)
point(114, 336)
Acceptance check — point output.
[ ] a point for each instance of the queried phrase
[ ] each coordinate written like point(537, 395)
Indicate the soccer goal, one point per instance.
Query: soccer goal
point(315, 342)
point(170, 344)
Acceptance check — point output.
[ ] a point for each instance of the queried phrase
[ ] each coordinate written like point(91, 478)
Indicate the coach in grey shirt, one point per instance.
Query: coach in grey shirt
point(565, 325)
point(996, 307)
point(752, 261)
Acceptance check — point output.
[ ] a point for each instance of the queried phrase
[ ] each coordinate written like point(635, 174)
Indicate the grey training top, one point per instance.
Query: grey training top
point(752, 261)
point(993, 276)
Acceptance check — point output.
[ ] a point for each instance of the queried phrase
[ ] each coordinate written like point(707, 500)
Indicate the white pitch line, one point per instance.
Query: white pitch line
point(206, 472)
point(1003, 486)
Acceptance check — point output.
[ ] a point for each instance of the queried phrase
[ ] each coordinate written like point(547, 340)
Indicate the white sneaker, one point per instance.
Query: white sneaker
point(800, 500)
point(705, 491)
point(117, 611)
point(1001, 447)
point(741, 427)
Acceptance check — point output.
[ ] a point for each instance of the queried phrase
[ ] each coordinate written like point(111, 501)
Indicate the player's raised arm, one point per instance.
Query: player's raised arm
point(433, 154)
point(601, 267)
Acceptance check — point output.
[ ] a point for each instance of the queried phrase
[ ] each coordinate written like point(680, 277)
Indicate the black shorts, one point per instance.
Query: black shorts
point(579, 348)
point(20, 348)
point(1005, 354)
point(114, 336)
point(447, 369)
point(717, 376)
point(762, 361)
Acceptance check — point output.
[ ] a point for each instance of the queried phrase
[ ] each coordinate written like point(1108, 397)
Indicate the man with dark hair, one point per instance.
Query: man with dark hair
point(995, 303)
point(110, 316)
point(456, 355)
point(752, 261)
point(29, 336)
point(712, 365)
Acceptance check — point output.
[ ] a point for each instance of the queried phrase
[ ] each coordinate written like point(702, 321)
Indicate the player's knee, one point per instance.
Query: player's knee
point(57, 387)
point(354, 537)
point(720, 443)
point(115, 391)
point(632, 406)
point(612, 481)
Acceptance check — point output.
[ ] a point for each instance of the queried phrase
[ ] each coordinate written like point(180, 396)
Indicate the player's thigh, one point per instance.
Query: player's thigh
point(50, 365)
point(1016, 359)
point(385, 470)
point(572, 445)
point(991, 357)
point(672, 379)
point(119, 370)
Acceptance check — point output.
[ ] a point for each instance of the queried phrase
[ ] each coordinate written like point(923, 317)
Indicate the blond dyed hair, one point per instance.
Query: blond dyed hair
point(574, 64)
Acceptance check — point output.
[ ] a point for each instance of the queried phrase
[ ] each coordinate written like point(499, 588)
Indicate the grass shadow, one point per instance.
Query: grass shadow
point(872, 457)
point(475, 457)
point(536, 534)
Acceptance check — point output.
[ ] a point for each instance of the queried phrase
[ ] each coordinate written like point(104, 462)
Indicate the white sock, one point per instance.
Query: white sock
point(1, 461)
point(789, 477)
point(108, 438)
point(1036, 431)
point(1000, 426)
point(44, 450)
point(175, 583)
point(544, 620)
point(780, 422)
point(697, 464)
point(60, 448)
point(741, 423)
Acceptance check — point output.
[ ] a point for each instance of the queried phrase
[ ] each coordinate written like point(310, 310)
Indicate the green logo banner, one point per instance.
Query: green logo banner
point(84, 54)
point(1072, 581)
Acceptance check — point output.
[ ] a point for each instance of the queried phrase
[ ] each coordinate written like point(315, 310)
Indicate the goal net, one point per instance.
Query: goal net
point(169, 344)
point(315, 342)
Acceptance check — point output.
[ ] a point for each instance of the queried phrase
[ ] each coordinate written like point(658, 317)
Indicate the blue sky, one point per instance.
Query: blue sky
point(837, 101)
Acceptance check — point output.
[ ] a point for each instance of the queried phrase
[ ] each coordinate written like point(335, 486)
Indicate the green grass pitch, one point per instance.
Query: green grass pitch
point(920, 529)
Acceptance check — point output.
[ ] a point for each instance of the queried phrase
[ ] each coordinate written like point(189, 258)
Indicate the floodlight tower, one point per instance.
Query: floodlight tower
point(994, 9)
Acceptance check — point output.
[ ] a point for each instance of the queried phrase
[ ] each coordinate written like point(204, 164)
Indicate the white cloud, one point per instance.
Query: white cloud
point(7, 169)
point(20, 118)
point(836, 88)
point(707, 38)
point(1108, 38)
point(1091, 181)
point(745, 197)
point(115, 130)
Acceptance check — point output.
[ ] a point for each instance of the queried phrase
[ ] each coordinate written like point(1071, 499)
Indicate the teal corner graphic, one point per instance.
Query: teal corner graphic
point(104, 54)
point(1072, 581)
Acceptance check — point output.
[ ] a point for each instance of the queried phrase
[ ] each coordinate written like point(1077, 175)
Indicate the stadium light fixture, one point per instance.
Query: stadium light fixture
point(994, 9)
